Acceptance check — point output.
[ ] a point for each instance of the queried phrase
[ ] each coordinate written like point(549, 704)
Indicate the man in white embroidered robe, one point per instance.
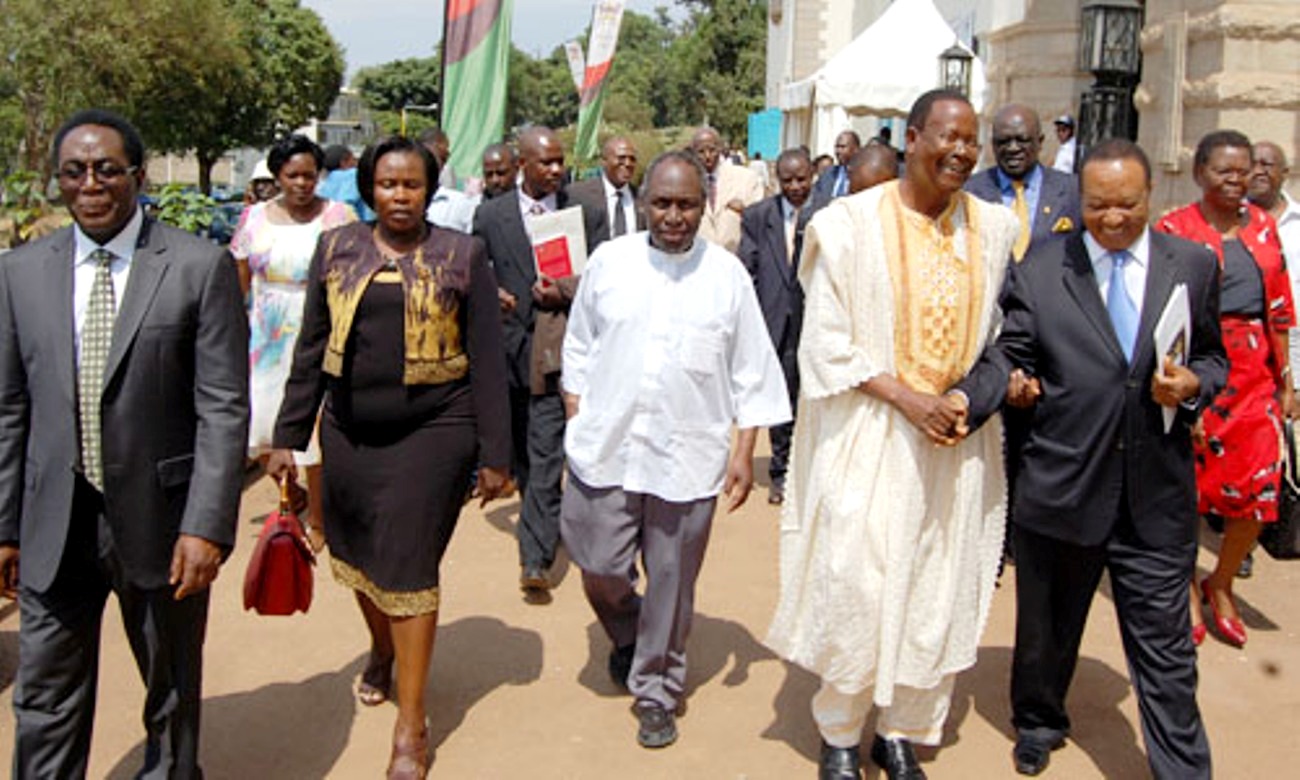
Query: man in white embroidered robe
point(894, 515)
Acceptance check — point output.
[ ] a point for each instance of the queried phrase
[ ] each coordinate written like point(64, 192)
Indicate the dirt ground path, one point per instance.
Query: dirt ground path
point(520, 690)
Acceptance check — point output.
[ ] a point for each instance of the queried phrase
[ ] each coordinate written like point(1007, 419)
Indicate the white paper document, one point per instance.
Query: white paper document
point(1172, 338)
point(559, 242)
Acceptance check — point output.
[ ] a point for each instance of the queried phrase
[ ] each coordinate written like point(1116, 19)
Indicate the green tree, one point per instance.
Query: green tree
point(388, 87)
point(719, 58)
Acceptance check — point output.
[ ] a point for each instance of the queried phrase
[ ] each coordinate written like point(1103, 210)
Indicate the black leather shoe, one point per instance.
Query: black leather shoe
point(656, 727)
point(1032, 755)
point(620, 664)
point(776, 493)
point(897, 758)
point(839, 763)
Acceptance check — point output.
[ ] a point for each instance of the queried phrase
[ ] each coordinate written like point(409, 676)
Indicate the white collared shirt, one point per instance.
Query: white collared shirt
point(83, 268)
point(1135, 271)
point(666, 353)
point(1288, 230)
point(453, 210)
point(625, 200)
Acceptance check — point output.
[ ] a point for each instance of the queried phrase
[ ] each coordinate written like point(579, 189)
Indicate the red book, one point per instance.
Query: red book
point(553, 257)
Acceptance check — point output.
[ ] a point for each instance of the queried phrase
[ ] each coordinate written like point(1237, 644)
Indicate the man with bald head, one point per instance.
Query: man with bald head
point(1045, 201)
point(612, 192)
point(834, 182)
point(534, 313)
point(1265, 190)
point(731, 189)
point(500, 169)
point(873, 164)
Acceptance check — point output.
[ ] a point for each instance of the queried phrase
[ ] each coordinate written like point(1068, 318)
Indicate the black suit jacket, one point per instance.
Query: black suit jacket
point(776, 278)
point(1058, 199)
point(591, 194)
point(501, 226)
point(1096, 435)
point(174, 405)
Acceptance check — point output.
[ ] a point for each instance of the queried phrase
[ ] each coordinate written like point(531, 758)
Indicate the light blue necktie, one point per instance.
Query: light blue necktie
point(841, 181)
point(1123, 314)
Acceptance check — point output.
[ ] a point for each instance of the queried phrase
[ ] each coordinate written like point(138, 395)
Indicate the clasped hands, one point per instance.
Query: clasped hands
point(942, 418)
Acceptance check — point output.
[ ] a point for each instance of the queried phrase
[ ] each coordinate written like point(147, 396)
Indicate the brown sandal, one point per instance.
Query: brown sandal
point(376, 681)
point(410, 759)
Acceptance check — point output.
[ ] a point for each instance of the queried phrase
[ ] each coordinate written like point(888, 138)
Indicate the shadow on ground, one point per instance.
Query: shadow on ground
point(298, 730)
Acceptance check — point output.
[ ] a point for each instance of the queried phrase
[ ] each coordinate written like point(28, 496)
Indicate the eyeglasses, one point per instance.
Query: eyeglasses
point(104, 171)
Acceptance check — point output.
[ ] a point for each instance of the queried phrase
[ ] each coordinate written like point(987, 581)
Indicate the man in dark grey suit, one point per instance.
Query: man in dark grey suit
point(123, 428)
point(534, 313)
point(771, 238)
point(1102, 485)
point(834, 182)
point(613, 193)
point(1049, 198)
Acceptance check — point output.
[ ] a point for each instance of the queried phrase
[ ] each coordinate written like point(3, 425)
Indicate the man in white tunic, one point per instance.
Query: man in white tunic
point(895, 509)
point(666, 349)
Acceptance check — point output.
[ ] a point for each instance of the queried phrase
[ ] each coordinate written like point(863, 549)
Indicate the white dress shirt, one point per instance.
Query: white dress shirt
point(666, 352)
point(1135, 271)
point(1064, 161)
point(452, 209)
point(83, 268)
point(1288, 230)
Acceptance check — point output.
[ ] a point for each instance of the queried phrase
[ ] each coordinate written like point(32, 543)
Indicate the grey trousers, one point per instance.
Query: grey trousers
point(603, 529)
point(58, 666)
point(538, 531)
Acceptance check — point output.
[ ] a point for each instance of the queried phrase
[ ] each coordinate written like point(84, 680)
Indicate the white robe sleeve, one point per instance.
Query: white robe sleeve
point(579, 334)
point(831, 360)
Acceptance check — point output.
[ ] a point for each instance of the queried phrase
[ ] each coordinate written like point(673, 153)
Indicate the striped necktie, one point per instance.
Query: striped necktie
point(96, 339)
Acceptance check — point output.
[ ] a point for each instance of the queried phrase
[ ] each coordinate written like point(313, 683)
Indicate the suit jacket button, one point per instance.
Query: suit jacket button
point(1119, 445)
point(1132, 384)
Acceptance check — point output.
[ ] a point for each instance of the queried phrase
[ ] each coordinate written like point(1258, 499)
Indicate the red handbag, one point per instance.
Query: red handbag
point(279, 577)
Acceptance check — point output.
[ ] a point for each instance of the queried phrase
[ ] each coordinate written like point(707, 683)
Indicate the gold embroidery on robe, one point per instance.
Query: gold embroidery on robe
point(936, 271)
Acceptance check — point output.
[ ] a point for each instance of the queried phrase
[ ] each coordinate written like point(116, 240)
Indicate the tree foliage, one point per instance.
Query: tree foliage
point(412, 81)
point(201, 75)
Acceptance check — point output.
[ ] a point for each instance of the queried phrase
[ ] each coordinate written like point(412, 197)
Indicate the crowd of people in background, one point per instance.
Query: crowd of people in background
point(957, 369)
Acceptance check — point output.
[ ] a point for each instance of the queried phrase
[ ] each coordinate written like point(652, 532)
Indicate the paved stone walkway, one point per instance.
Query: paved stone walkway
point(520, 690)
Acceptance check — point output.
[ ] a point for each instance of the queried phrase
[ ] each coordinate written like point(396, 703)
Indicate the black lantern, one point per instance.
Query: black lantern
point(1108, 38)
point(1110, 49)
point(954, 69)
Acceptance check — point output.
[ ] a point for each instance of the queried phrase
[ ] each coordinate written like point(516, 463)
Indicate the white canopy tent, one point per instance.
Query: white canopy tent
point(881, 72)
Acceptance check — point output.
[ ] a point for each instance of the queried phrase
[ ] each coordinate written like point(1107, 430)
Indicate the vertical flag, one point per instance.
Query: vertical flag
point(476, 57)
point(606, 19)
point(577, 63)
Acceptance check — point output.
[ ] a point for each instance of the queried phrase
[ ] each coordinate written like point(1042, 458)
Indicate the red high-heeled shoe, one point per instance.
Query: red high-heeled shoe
point(1198, 634)
point(1229, 628)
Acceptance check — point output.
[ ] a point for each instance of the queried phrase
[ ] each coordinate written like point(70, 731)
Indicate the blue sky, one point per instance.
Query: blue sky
point(375, 31)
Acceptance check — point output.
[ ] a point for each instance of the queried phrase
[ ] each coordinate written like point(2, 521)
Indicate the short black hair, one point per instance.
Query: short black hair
point(920, 112)
point(505, 150)
point(286, 148)
point(1218, 139)
point(335, 156)
point(1116, 149)
point(391, 144)
point(131, 141)
point(796, 153)
point(433, 135)
point(676, 155)
point(857, 139)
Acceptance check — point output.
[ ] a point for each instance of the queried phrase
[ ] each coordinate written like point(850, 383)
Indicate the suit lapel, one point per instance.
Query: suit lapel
point(148, 267)
point(58, 275)
point(1162, 272)
point(1082, 286)
point(512, 226)
point(776, 241)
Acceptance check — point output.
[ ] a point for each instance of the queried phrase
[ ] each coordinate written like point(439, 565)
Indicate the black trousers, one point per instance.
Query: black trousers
point(1055, 582)
point(538, 531)
point(787, 352)
point(58, 668)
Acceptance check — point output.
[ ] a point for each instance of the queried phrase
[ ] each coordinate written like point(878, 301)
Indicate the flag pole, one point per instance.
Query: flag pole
point(442, 66)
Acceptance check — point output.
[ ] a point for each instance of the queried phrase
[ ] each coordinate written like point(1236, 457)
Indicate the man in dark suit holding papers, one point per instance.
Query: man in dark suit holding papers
point(533, 306)
point(1101, 485)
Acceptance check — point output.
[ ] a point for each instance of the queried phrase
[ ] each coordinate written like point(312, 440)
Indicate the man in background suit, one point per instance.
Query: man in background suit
point(834, 181)
point(731, 190)
point(500, 169)
point(771, 238)
point(534, 313)
point(1102, 486)
point(1044, 200)
point(123, 428)
point(612, 193)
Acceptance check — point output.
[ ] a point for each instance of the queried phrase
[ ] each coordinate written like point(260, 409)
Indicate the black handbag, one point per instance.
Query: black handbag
point(1281, 539)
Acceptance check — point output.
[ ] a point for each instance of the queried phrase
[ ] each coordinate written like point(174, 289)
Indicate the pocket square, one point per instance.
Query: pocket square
point(1063, 225)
